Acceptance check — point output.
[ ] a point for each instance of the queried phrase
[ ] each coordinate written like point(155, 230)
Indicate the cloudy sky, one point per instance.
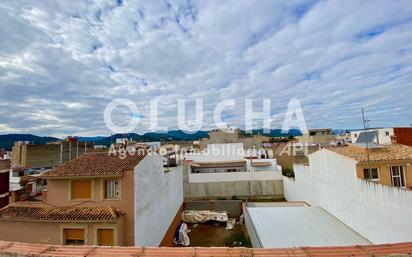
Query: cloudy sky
point(62, 62)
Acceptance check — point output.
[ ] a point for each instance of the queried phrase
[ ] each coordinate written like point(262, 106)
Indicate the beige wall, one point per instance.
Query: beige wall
point(4, 164)
point(317, 139)
point(33, 155)
point(384, 171)
point(58, 193)
point(52, 232)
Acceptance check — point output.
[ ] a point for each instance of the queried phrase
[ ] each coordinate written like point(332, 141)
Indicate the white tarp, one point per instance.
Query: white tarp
point(203, 216)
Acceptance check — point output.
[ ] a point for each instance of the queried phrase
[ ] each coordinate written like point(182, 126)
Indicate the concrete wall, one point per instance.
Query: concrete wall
point(37, 155)
point(265, 188)
point(235, 176)
point(317, 139)
point(158, 197)
point(380, 213)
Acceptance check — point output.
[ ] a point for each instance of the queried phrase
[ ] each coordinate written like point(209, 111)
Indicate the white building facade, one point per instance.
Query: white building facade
point(379, 213)
point(383, 137)
point(158, 196)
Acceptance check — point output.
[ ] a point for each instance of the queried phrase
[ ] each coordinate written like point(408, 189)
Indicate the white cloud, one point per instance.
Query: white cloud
point(62, 62)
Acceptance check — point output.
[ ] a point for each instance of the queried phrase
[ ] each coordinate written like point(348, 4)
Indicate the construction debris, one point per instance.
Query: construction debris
point(192, 216)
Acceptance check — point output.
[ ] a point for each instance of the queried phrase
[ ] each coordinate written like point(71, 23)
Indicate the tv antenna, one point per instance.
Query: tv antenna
point(365, 128)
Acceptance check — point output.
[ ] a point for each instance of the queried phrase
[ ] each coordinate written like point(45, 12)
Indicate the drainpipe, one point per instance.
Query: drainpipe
point(61, 152)
point(70, 151)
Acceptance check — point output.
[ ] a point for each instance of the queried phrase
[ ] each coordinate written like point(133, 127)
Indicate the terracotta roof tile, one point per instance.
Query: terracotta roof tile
point(389, 153)
point(96, 164)
point(24, 249)
point(46, 213)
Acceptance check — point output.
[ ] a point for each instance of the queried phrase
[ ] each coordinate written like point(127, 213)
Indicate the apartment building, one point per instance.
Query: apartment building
point(99, 199)
point(227, 170)
point(317, 137)
point(235, 136)
point(27, 155)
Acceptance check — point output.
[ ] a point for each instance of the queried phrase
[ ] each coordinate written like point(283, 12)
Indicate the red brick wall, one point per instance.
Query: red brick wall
point(403, 136)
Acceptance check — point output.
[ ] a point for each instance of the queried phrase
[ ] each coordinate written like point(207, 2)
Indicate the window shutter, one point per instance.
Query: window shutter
point(105, 237)
point(81, 189)
point(74, 234)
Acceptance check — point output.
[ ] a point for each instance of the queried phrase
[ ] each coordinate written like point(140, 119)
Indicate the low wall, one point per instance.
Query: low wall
point(235, 176)
point(263, 188)
point(233, 207)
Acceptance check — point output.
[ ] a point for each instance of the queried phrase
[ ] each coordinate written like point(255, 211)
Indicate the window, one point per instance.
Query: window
point(111, 189)
point(105, 237)
point(73, 236)
point(371, 174)
point(398, 176)
point(356, 135)
point(386, 133)
point(81, 189)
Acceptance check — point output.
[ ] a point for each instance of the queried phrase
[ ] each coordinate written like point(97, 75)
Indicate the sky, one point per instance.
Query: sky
point(63, 62)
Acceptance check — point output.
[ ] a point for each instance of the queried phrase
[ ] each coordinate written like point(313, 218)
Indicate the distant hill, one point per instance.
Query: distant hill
point(177, 135)
point(7, 141)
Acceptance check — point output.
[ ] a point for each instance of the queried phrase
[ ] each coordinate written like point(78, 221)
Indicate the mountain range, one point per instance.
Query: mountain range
point(7, 140)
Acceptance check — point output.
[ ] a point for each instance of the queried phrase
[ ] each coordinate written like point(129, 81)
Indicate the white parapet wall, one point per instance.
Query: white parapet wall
point(235, 176)
point(158, 196)
point(380, 213)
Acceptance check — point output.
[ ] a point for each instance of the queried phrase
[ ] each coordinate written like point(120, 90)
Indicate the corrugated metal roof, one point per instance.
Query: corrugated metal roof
point(301, 226)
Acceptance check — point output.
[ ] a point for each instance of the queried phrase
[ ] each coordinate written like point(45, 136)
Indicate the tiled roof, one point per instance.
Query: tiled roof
point(24, 249)
point(41, 212)
point(96, 164)
point(389, 153)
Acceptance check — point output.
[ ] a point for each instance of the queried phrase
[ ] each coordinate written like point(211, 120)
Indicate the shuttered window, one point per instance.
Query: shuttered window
point(81, 189)
point(111, 189)
point(105, 237)
point(73, 236)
